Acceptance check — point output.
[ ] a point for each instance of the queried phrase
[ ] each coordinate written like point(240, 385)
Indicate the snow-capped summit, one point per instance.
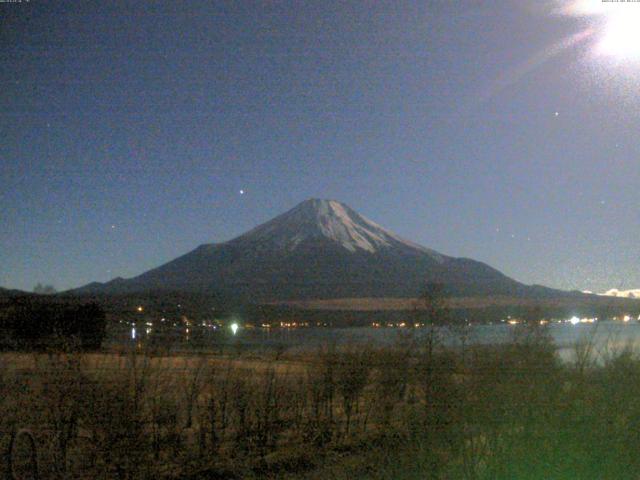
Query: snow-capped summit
point(317, 219)
point(318, 249)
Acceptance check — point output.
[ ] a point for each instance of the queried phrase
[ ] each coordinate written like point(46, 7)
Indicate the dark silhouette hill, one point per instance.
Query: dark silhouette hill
point(320, 249)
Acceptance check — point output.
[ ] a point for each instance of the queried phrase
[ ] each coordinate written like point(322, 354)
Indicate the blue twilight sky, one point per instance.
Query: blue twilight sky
point(497, 130)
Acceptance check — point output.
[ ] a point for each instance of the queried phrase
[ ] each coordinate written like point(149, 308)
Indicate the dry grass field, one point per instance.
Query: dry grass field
point(409, 411)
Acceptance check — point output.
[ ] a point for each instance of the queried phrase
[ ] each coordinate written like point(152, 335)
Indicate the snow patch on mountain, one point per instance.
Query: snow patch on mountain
point(315, 219)
point(336, 223)
point(614, 292)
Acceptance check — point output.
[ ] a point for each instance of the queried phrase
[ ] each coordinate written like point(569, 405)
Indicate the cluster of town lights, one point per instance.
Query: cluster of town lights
point(573, 320)
point(235, 326)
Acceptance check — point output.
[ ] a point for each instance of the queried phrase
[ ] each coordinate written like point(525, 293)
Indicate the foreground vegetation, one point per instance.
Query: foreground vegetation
point(417, 410)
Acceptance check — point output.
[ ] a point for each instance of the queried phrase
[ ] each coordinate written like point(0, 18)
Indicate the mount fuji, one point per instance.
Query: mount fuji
point(320, 249)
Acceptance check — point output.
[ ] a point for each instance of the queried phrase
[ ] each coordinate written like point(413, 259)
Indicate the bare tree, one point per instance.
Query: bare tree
point(434, 313)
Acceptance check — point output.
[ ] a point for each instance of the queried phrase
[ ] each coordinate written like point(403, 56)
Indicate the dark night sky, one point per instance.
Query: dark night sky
point(503, 131)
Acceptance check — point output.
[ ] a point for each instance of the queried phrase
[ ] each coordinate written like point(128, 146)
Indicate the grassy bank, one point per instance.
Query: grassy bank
point(411, 411)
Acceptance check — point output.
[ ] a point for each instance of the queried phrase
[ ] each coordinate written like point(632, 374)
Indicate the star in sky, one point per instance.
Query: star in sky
point(355, 115)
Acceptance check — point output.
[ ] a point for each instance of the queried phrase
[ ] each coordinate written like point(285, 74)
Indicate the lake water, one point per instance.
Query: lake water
point(607, 336)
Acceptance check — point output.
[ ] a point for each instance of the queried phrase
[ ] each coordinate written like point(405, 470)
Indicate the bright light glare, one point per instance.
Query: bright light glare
point(618, 25)
point(574, 320)
point(234, 328)
point(621, 37)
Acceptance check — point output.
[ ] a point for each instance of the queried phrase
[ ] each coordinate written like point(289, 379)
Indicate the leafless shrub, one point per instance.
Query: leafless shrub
point(240, 402)
point(321, 380)
point(352, 375)
point(192, 385)
point(393, 368)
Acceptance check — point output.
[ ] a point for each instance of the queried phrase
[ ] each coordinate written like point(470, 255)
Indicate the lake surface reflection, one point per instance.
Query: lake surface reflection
point(607, 337)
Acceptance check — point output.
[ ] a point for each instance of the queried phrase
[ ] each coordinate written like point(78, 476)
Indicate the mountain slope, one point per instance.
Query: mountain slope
point(7, 293)
point(319, 249)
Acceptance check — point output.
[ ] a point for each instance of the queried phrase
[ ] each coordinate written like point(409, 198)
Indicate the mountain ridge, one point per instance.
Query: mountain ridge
point(318, 249)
